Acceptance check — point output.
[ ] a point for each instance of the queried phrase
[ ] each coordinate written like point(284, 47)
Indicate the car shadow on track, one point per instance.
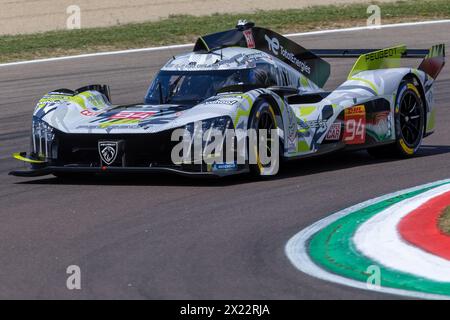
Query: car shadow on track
point(296, 168)
point(345, 160)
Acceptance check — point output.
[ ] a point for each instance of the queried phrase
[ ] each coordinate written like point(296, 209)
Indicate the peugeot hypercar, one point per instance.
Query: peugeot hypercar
point(245, 78)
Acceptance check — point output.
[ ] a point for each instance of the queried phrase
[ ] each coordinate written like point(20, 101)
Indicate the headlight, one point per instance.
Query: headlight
point(204, 128)
point(219, 123)
point(204, 131)
point(42, 139)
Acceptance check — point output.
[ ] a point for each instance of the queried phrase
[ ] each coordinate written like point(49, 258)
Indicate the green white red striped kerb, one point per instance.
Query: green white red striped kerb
point(397, 232)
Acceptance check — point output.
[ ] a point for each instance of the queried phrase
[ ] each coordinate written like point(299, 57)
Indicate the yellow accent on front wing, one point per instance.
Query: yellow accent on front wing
point(22, 157)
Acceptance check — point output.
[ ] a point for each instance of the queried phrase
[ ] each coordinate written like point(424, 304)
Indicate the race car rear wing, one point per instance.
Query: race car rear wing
point(356, 53)
point(370, 59)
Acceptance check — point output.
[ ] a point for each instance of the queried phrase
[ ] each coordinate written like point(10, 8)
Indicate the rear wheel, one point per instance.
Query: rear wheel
point(409, 124)
point(263, 123)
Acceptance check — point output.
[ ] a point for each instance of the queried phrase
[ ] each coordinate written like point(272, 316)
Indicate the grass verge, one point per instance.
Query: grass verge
point(185, 29)
point(444, 221)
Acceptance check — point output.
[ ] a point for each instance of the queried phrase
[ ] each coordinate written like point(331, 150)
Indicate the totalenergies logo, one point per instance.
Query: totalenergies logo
point(273, 43)
point(275, 46)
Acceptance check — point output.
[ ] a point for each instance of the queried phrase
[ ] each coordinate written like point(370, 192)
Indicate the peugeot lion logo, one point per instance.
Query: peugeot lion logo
point(108, 151)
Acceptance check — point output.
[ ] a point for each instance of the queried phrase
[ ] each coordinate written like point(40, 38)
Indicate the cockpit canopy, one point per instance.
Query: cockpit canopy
point(193, 87)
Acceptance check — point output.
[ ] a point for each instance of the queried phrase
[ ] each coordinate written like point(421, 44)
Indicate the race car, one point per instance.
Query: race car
point(246, 78)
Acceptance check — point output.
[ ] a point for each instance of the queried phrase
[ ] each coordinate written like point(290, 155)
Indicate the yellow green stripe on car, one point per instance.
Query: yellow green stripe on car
point(368, 82)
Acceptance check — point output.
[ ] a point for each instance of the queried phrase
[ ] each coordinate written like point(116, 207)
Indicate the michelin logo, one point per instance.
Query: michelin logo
point(277, 48)
point(224, 166)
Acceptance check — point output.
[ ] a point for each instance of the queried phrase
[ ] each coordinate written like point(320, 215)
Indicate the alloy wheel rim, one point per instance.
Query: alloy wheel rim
point(410, 118)
point(266, 122)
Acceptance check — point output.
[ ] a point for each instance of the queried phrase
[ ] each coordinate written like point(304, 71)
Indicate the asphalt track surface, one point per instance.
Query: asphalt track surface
point(158, 237)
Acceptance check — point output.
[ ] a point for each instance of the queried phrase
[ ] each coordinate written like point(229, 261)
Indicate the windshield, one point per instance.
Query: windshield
point(192, 87)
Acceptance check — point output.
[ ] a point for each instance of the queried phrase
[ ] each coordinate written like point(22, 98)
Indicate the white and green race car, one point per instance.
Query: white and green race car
point(237, 80)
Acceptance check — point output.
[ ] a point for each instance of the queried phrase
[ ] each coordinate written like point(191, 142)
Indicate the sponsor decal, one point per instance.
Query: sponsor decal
point(108, 151)
point(379, 126)
point(275, 46)
point(250, 57)
point(335, 132)
point(248, 34)
point(133, 115)
point(90, 113)
point(143, 119)
point(222, 101)
point(313, 124)
point(355, 125)
point(273, 43)
point(224, 166)
point(391, 52)
point(109, 127)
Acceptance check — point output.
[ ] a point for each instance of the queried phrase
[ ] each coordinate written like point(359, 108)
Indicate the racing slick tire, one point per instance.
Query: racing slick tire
point(409, 124)
point(263, 118)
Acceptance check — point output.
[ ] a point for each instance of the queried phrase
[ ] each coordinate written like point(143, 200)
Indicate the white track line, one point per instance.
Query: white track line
point(384, 26)
point(179, 46)
point(379, 240)
point(297, 251)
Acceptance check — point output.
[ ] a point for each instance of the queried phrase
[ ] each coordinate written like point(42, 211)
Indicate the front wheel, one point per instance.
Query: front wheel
point(409, 124)
point(264, 148)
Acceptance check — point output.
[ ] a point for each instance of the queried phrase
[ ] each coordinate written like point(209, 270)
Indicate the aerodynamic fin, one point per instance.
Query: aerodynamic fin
point(22, 156)
point(433, 63)
point(248, 36)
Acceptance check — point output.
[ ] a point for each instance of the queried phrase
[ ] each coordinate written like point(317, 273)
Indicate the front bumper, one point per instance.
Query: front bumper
point(46, 170)
point(41, 168)
point(132, 153)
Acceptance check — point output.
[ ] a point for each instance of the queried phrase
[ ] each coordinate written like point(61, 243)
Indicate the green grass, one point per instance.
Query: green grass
point(184, 29)
point(444, 221)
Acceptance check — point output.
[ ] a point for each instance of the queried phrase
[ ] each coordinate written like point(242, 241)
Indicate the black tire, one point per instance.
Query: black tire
point(409, 124)
point(263, 117)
